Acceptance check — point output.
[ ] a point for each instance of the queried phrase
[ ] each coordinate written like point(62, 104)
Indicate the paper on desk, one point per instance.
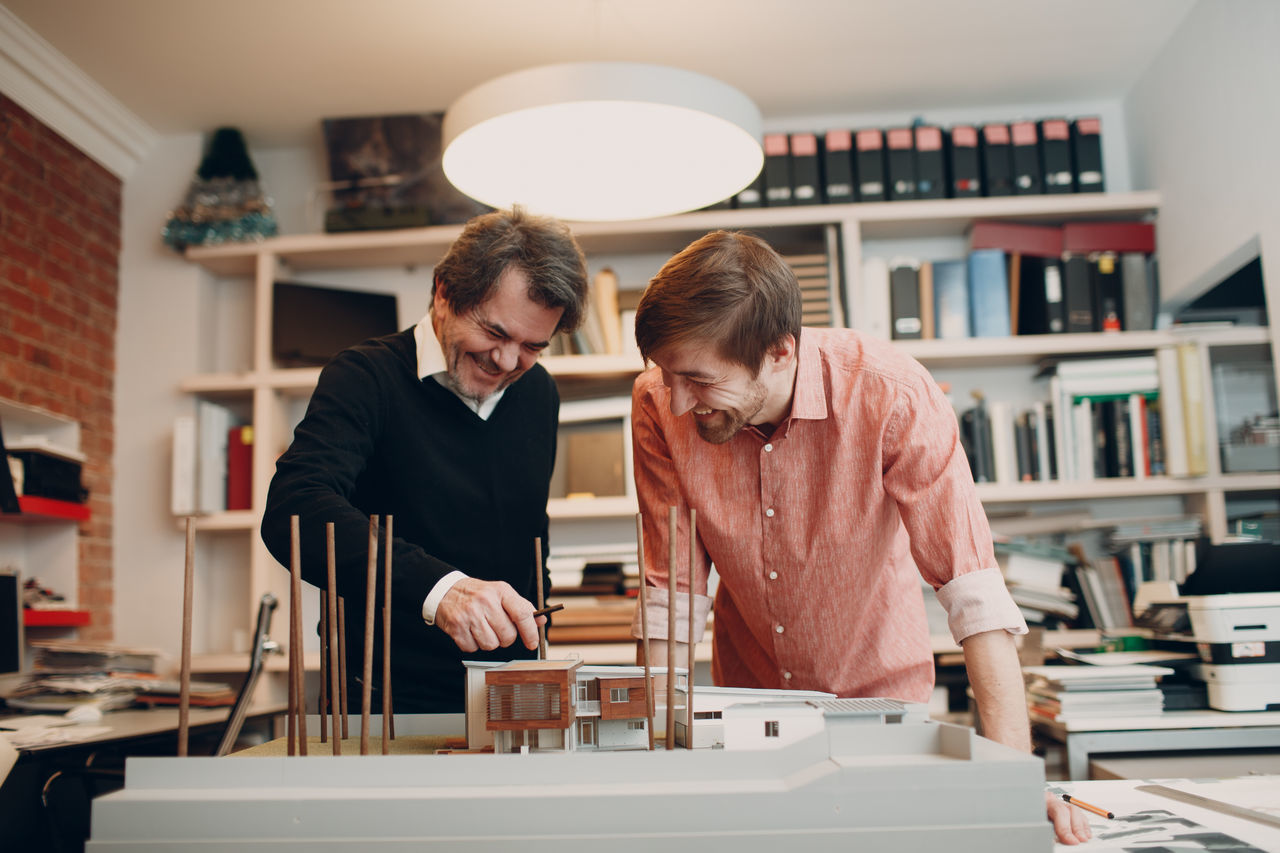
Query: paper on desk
point(8, 757)
point(1149, 822)
point(51, 735)
point(27, 721)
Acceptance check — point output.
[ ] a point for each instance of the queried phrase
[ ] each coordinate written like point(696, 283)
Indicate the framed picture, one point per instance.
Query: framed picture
point(385, 172)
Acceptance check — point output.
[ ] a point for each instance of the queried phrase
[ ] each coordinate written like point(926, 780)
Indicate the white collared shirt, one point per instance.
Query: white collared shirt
point(431, 363)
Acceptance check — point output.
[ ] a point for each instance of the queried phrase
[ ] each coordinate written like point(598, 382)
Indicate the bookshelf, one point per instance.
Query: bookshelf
point(247, 376)
point(42, 541)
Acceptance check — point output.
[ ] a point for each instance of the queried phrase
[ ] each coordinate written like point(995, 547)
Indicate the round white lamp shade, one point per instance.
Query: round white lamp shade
point(602, 141)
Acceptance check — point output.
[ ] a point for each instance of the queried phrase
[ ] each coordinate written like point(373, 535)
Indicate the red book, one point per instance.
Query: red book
point(1081, 238)
point(1040, 241)
point(240, 467)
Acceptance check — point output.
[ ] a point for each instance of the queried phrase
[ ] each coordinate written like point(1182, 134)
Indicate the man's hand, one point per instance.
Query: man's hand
point(1070, 826)
point(487, 615)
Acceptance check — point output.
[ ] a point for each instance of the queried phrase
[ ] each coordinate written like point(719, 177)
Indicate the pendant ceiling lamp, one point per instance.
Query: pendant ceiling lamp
point(602, 141)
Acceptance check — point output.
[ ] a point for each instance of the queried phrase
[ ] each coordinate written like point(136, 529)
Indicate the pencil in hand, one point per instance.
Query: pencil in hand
point(1088, 807)
point(547, 610)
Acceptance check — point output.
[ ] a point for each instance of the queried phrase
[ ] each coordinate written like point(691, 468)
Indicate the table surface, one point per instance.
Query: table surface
point(129, 723)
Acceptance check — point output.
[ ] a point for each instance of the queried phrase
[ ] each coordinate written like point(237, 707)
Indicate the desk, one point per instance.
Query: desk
point(1172, 730)
point(1161, 823)
point(139, 724)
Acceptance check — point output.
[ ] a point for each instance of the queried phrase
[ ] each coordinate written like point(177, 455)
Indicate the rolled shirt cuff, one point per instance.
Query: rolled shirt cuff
point(437, 595)
point(979, 601)
point(656, 604)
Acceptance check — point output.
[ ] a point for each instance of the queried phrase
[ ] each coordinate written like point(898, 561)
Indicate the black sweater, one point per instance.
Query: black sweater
point(464, 493)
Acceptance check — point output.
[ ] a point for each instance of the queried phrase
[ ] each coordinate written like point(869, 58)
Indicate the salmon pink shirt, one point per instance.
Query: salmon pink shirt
point(821, 531)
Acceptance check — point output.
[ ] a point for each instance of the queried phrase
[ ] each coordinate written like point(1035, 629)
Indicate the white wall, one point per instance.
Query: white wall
point(1202, 125)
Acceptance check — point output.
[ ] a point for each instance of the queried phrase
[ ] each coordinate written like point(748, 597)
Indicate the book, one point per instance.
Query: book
point(997, 162)
point(931, 173)
point(900, 163)
point(951, 299)
point(926, 300)
point(904, 300)
point(752, 195)
point(1172, 423)
point(1138, 295)
point(837, 160)
point(1086, 153)
point(875, 318)
point(1004, 451)
point(1055, 156)
point(1040, 306)
point(777, 170)
point(1025, 156)
point(1083, 238)
point(868, 145)
point(806, 186)
point(1077, 294)
point(988, 294)
point(963, 163)
point(213, 424)
point(1107, 291)
point(1040, 241)
point(604, 291)
point(182, 475)
point(239, 467)
point(1191, 383)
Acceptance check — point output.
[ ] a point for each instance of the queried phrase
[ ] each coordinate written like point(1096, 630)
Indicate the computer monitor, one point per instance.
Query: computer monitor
point(310, 325)
point(10, 622)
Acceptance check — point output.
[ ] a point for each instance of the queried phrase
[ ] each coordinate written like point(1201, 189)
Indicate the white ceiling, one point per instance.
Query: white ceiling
point(275, 68)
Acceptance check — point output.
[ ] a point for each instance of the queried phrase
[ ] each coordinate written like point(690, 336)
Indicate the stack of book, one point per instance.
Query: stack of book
point(69, 674)
point(1033, 574)
point(1062, 693)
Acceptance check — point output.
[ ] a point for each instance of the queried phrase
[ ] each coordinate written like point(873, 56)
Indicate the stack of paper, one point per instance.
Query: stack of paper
point(1061, 692)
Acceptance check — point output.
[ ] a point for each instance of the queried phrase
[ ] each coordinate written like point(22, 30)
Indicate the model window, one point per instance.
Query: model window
point(618, 694)
point(636, 725)
point(770, 728)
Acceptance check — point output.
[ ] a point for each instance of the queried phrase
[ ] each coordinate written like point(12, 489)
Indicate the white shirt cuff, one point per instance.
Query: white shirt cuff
point(979, 601)
point(437, 595)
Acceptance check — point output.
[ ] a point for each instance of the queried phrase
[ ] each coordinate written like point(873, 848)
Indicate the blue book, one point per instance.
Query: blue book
point(950, 299)
point(989, 294)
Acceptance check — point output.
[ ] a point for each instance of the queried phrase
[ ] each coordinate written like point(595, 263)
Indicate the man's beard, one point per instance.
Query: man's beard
point(454, 375)
point(729, 422)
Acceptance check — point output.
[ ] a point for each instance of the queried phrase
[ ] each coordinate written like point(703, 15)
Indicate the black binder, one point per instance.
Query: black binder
point(904, 302)
point(1040, 307)
point(1086, 148)
point(1026, 158)
point(965, 179)
point(806, 185)
point(1077, 293)
point(777, 170)
point(752, 195)
point(931, 173)
point(1108, 292)
point(838, 161)
point(997, 162)
point(869, 160)
point(901, 160)
point(1055, 156)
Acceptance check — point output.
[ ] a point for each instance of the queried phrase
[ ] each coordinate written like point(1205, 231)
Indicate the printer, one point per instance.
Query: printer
point(1237, 637)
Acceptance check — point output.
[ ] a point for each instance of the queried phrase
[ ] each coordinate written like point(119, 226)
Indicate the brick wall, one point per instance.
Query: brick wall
point(59, 258)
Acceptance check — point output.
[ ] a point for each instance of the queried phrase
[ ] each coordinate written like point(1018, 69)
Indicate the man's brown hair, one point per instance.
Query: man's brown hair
point(729, 289)
point(542, 247)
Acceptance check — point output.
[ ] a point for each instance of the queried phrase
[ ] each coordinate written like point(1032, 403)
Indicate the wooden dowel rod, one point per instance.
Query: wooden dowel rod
point(644, 631)
point(542, 601)
point(342, 666)
point(672, 596)
point(332, 634)
point(388, 730)
point(184, 676)
point(370, 591)
point(295, 627)
point(322, 701)
point(688, 695)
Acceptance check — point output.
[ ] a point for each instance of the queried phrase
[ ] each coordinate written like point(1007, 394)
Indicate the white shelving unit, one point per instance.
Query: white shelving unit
point(273, 394)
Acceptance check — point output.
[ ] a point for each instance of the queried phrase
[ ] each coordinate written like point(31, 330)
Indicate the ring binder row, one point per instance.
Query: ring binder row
point(925, 161)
